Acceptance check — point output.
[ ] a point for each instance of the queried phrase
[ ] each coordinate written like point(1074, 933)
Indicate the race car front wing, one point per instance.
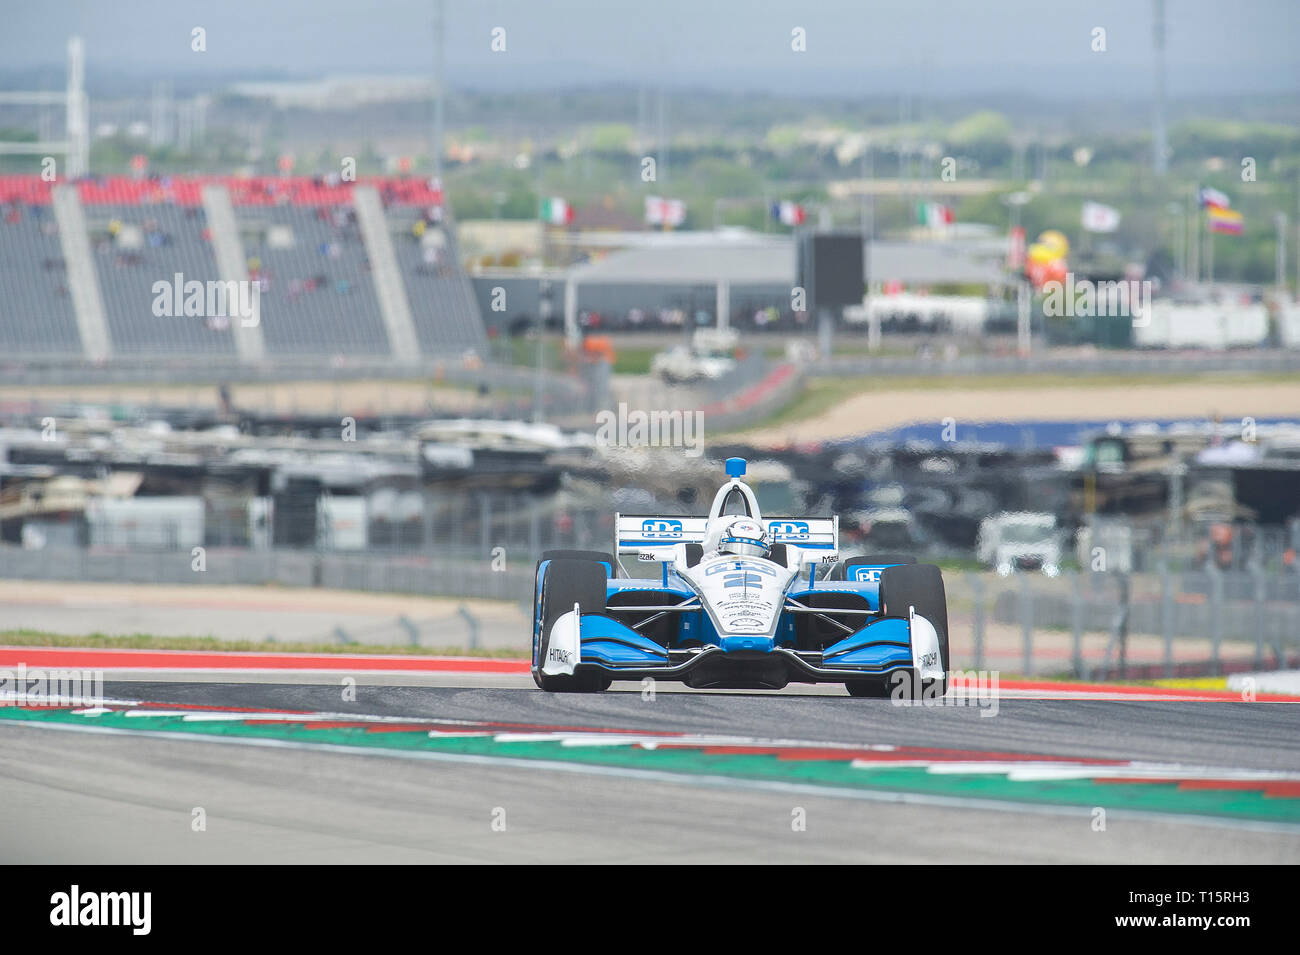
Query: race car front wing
point(598, 643)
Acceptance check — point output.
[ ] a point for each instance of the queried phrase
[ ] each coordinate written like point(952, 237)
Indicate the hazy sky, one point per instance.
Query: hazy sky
point(928, 47)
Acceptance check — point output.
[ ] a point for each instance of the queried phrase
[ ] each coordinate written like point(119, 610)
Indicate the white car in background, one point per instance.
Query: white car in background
point(681, 364)
point(1020, 540)
point(709, 357)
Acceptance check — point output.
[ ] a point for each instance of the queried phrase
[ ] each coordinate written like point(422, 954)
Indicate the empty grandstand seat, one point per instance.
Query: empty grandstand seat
point(36, 309)
point(443, 307)
point(174, 242)
point(319, 296)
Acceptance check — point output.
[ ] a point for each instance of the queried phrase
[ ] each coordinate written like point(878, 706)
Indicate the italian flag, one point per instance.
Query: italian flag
point(556, 211)
point(933, 214)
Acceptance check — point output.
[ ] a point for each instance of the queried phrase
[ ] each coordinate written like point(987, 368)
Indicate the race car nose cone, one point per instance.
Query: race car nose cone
point(736, 644)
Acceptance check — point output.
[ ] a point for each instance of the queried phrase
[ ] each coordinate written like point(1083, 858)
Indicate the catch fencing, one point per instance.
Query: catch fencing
point(1079, 624)
point(1086, 625)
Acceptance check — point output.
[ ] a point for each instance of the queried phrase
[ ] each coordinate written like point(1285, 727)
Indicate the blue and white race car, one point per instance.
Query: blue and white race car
point(736, 600)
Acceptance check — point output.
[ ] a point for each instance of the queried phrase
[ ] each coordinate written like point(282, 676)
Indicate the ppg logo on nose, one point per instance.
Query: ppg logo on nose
point(789, 530)
point(661, 528)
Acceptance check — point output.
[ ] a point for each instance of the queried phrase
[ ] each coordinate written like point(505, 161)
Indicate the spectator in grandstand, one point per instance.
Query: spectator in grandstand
point(431, 256)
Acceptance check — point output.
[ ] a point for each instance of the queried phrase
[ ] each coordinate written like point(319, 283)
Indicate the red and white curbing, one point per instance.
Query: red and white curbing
point(235, 662)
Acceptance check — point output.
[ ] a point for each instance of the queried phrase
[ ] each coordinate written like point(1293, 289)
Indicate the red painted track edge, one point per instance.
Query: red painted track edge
point(224, 660)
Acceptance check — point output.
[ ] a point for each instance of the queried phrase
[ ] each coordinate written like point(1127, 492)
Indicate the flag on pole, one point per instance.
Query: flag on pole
point(1099, 218)
point(1213, 199)
point(788, 213)
point(660, 211)
point(934, 214)
point(556, 211)
point(1016, 249)
point(1225, 221)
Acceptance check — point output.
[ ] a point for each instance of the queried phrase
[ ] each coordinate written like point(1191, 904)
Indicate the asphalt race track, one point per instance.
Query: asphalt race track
point(485, 768)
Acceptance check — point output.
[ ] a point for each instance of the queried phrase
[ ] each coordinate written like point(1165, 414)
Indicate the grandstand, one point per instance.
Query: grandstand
point(339, 277)
point(36, 311)
point(443, 303)
point(135, 246)
point(316, 280)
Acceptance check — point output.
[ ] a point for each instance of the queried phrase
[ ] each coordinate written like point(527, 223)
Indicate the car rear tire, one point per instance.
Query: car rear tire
point(919, 586)
point(871, 560)
point(598, 555)
point(569, 581)
point(840, 569)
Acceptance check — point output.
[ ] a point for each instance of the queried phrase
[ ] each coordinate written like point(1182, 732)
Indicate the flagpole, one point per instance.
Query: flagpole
point(871, 194)
point(1181, 219)
point(862, 200)
point(1209, 255)
point(438, 78)
point(1202, 254)
point(1280, 220)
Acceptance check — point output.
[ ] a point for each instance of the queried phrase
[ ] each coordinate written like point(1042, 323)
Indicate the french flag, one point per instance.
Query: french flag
point(788, 213)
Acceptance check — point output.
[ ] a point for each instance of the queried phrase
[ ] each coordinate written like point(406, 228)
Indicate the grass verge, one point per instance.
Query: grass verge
point(145, 641)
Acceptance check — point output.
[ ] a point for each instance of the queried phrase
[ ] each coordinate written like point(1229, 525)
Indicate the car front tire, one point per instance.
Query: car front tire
point(567, 582)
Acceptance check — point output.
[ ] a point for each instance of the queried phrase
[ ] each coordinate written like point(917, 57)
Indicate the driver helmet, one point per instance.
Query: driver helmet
point(744, 537)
